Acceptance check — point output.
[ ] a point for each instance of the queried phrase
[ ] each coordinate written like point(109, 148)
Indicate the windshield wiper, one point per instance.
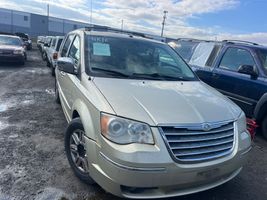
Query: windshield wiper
point(158, 76)
point(114, 72)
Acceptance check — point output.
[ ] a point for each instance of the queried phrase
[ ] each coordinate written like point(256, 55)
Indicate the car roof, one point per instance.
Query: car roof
point(118, 34)
point(246, 45)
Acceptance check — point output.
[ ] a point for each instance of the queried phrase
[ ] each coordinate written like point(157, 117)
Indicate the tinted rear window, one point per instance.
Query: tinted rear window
point(58, 44)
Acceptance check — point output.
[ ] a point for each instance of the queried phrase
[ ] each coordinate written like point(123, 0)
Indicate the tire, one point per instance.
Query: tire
point(76, 152)
point(57, 98)
point(264, 127)
point(53, 71)
point(21, 63)
point(44, 56)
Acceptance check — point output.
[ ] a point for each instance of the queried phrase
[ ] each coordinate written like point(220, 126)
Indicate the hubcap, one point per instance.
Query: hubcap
point(77, 150)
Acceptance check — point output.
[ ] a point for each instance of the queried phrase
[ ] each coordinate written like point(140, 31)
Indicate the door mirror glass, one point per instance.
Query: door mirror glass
point(66, 64)
point(248, 69)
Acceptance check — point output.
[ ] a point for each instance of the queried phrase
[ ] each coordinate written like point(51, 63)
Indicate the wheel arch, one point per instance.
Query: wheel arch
point(81, 110)
point(261, 108)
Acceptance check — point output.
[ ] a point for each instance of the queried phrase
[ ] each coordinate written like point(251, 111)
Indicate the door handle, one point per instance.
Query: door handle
point(62, 73)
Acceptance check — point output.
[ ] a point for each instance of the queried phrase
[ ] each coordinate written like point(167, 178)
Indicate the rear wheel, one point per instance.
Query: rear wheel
point(53, 71)
point(44, 56)
point(57, 92)
point(76, 150)
point(264, 127)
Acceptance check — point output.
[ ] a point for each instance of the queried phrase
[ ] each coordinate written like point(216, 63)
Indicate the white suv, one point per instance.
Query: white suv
point(52, 52)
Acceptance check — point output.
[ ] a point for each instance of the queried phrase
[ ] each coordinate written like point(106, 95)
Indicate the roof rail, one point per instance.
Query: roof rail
point(114, 30)
point(197, 40)
point(240, 41)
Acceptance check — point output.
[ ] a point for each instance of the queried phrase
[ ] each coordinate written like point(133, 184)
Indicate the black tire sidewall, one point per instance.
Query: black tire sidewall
point(57, 98)
point(74, 125)
point(264, 127)
point(53, 71)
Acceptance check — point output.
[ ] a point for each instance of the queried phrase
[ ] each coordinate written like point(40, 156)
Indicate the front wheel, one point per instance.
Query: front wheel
point(76, 150)
point(264, 127)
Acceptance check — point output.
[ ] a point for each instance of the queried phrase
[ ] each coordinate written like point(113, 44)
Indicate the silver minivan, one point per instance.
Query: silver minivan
point(141, 123)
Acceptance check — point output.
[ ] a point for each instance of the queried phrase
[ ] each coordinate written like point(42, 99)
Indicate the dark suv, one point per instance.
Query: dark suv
point(237, 69)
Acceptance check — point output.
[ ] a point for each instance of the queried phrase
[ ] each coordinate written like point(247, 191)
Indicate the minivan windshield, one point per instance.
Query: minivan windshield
point(135, 59)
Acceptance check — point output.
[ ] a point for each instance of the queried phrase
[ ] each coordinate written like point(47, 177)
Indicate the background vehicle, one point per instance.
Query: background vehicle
point(25, 38)
point(12, 49)
point(52, 52)
point(141, 124)
point(39, 42)
point(184, 47)
point(45, 46)
point(238, 69)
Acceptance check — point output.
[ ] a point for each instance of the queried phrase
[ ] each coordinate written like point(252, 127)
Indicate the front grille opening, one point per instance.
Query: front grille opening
point(137, 190)
point(192, 144)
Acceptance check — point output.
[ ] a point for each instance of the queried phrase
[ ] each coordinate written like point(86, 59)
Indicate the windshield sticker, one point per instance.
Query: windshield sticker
point(99, 39)
point(101, 49)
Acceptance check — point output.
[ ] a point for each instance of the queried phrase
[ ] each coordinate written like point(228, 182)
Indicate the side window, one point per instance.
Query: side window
point(53, 42)
point(202, 54)
point(58, 44)
point(235, 57)
point(66, 45)
point(74, 51)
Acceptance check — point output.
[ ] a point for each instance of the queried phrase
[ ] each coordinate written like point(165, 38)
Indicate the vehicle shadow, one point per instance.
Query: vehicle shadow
point(5, 65)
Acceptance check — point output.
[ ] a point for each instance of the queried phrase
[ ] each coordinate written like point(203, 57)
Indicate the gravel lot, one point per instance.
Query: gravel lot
point(33, 164)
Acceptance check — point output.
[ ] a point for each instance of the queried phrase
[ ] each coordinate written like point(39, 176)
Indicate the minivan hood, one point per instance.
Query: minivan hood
point(166, 102)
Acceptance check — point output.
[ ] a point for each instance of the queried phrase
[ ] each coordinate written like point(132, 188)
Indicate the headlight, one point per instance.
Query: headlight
point(242, 123)
point(18, 51)
point(124, 131)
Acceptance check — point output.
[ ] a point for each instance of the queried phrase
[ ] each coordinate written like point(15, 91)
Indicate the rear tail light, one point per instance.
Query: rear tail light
point(55, 56)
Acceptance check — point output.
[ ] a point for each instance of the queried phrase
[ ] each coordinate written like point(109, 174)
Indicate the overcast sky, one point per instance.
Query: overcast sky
point(209, 19)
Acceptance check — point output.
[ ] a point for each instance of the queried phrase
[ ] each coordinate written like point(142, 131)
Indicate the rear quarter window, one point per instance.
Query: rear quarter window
point(66, 45)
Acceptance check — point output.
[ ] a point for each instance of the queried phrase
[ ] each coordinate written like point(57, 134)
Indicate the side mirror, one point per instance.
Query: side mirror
point(45, 44)
point(249, 70)
point(66, 64)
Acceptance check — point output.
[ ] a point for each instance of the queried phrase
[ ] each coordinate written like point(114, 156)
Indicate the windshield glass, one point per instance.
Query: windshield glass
point(132, 58)
point(262, 54)
point(5, 40)
point(184, 48)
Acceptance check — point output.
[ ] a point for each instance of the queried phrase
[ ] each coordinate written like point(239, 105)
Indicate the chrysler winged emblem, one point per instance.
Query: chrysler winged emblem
point(206, 127)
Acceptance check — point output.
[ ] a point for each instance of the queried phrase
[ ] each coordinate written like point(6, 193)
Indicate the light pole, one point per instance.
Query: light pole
point(47, 18)
point(163, 22)
point(122, 25)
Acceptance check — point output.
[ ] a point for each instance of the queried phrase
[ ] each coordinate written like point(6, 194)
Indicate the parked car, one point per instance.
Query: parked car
point(141, 124)
point(25, 38)
point(45, 46)
point(184, 47)
point(12, 49)
point(39, 42)
point(52, 52)
point(237, 69)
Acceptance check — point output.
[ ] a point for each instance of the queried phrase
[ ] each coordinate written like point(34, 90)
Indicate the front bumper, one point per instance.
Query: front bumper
point(12, 58)
point(151, 173)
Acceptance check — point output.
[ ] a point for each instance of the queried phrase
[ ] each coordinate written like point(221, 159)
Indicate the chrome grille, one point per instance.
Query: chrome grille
point(193, 144)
